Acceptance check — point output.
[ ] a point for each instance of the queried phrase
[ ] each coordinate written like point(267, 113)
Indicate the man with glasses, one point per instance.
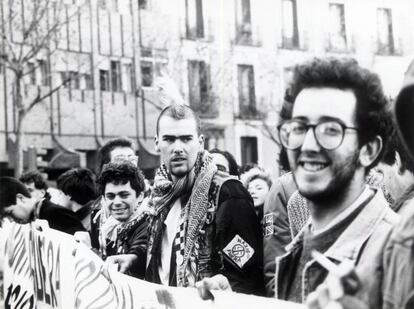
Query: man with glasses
point(336, 133)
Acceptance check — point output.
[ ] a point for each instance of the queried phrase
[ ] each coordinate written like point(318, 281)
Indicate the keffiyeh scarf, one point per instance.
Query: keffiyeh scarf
point(193, 191)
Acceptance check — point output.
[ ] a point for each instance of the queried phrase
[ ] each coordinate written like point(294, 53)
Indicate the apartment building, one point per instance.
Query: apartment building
point(230, 59)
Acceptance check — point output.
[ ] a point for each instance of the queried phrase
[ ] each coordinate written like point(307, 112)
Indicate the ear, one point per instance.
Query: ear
point(201, 140)
point(398, 164)
point(20, 197)
point(156, 146)
point(370, 151)
point(43, 191)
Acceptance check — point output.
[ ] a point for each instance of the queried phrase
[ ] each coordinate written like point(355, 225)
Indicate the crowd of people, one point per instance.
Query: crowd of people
point(335, 230)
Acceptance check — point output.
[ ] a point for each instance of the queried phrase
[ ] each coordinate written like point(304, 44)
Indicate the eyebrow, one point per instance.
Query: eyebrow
point(177, 136)
point(322, 118)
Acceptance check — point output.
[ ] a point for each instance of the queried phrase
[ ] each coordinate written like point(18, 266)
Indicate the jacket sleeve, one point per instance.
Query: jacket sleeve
point(276, 227)
point(138, 245)
point(238, 231)
point(398, 286)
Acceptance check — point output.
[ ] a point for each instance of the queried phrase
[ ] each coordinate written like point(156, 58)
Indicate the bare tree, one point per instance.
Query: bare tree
point(30, 34)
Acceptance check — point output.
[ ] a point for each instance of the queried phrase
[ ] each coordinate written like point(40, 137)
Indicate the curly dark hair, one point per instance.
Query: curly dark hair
point(372, 114)
point(35, 177)
point(104, 154)
point(120, 173)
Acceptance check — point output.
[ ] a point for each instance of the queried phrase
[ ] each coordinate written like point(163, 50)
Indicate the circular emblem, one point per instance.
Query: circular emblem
point(238, 250)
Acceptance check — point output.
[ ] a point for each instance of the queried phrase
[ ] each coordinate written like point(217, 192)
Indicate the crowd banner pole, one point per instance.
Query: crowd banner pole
point(45, 268)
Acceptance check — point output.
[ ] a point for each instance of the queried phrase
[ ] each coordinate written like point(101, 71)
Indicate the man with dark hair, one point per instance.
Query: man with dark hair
point(397, 171)
point(78, 192)
point(35, 184)
point(123, 238)
point(398, 276)
point(337, 131)
point(203, 222)
point(117, 149)
point(17, 203)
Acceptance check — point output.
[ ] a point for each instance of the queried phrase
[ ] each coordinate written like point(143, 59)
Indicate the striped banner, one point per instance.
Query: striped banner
point(44, 268)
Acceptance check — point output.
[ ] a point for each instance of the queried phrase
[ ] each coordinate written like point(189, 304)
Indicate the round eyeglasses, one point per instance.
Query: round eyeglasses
point(329, 134)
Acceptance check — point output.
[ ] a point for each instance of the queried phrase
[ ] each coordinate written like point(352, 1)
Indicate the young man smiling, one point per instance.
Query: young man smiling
point(124, 233)
point(336, 133)
point(203, 222)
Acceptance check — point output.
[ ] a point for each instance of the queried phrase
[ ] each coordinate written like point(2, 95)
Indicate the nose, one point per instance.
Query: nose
point(117, 200)
point(178, 146)
point(309, 142)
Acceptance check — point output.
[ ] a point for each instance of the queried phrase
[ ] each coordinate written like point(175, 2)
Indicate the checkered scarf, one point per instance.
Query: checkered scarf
point(193, 190)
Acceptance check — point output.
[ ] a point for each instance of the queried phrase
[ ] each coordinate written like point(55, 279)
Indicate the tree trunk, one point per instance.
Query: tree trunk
point(21, 113)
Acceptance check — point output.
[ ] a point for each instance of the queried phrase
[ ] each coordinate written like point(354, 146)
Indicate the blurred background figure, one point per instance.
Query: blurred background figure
point(225, 162)
point(17, 204)
point(78, 192)
point(396, 172)
point(258, 183)
point(36, 185)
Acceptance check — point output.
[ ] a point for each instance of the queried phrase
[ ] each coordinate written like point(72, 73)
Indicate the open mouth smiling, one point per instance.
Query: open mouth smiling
point(313, 166)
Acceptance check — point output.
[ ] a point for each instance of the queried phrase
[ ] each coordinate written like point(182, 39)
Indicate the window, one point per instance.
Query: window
point(143, 4)
point(74, 79)
point(115, 5)
point(198, 82)
point(44, 73)
point(385, 31)
point(243, 22)
point(194, 19)
point(102, 4)
point(146, 74)
point(290, 37)
point(31, 71)
point(127, 78)
point(337, 30)
point(87, 80)
point(153, 62)
point(248, 145)
point(3, 61)
point(116, 75)
point(104, 80)
point(247, 97)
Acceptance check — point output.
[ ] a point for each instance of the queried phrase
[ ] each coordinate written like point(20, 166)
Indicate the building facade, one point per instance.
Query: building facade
point(230, 59)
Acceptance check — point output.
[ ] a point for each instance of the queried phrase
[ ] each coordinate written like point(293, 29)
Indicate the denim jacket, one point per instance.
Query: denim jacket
point(362, 242)
point(399, 263)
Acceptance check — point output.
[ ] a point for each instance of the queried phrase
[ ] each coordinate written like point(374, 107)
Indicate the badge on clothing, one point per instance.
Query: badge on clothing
point(268, 225)
point(239, 251)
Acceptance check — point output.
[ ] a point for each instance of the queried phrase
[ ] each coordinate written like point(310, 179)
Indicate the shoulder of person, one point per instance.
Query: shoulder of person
point(232, 188)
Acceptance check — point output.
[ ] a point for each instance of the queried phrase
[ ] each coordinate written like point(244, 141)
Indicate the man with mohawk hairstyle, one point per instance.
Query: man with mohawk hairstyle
point(203, 221)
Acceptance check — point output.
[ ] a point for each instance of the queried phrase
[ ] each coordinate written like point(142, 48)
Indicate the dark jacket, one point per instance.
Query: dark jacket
point(60, 218)
point(132, 239)
point(234, 218)
point(363, 242)
point(276, 226)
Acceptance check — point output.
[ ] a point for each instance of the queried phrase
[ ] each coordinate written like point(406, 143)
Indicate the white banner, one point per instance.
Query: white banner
point(44, 268)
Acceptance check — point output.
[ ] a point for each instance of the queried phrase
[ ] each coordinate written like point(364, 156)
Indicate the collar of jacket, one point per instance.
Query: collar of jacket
point(349, 244)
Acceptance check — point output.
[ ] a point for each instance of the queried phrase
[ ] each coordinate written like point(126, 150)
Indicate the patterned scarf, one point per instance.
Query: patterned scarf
point(193, 190)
